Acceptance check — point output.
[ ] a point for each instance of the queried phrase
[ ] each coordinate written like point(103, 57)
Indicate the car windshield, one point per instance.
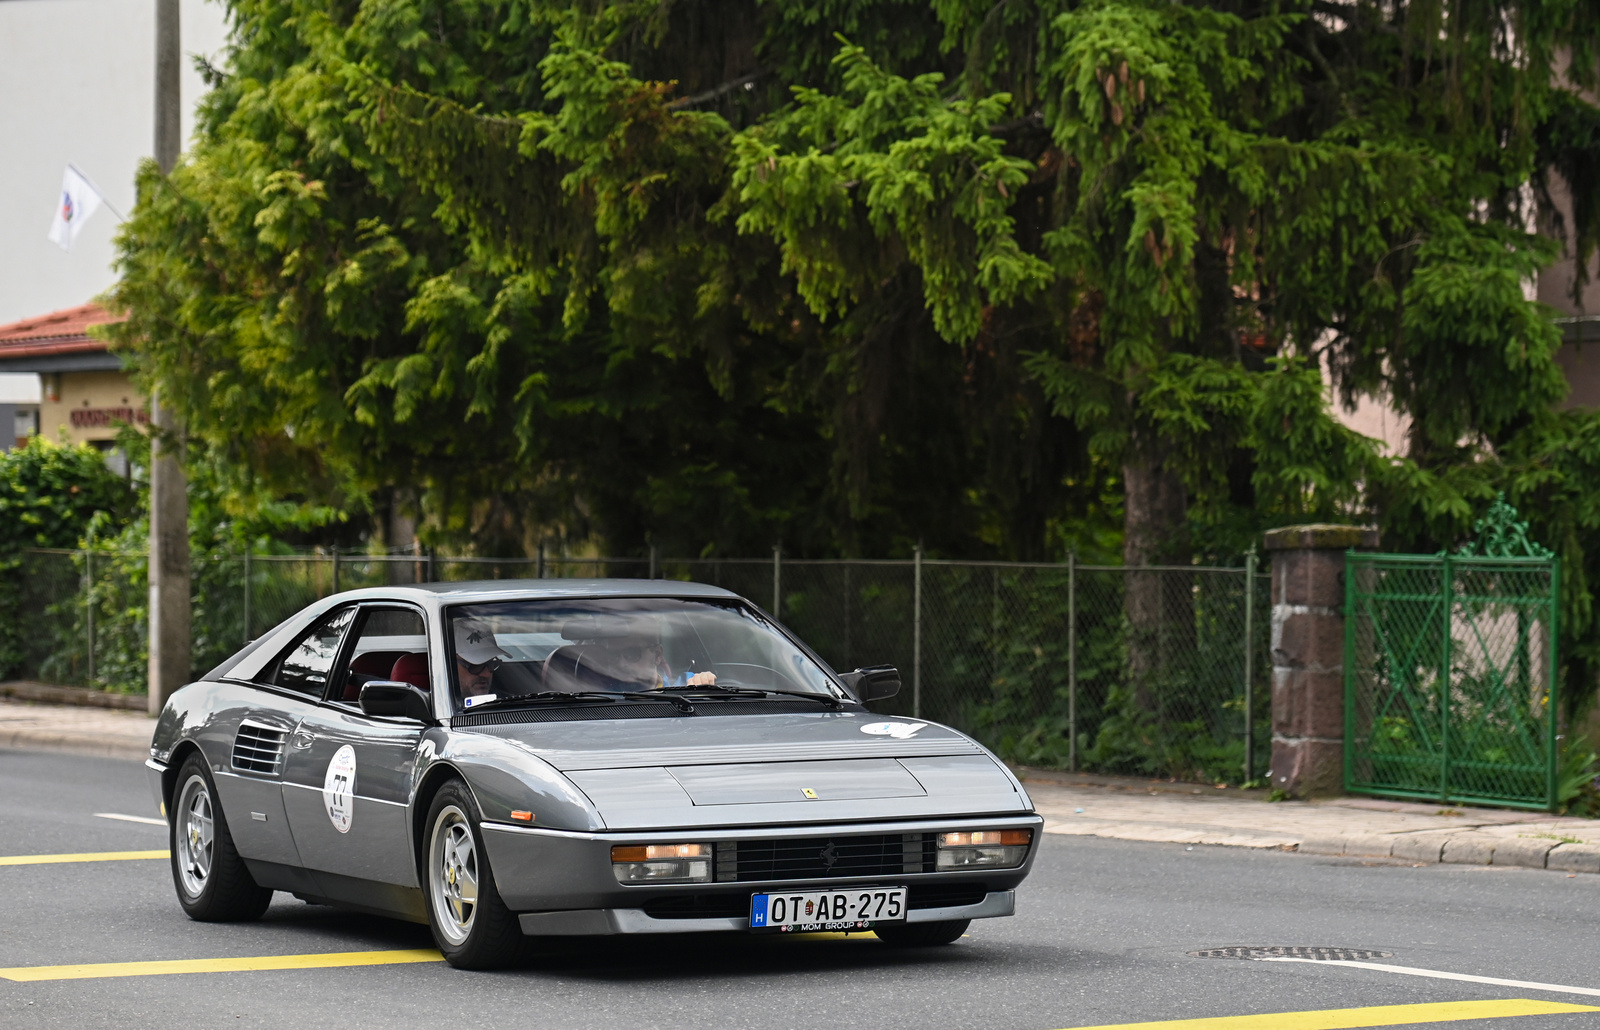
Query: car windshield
point(625, 644)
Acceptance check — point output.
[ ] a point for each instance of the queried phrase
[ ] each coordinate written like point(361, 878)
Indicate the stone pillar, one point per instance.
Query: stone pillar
point(1308, 654)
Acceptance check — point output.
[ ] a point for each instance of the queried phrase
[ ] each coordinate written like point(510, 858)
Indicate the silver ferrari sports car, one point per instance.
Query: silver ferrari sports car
point(565, 757)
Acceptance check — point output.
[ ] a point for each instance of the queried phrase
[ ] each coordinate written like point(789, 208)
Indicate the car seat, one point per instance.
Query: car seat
point(373, 665)
point(412, 669)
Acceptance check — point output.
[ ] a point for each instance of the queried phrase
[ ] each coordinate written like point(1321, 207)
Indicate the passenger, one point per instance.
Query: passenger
point(478, 655)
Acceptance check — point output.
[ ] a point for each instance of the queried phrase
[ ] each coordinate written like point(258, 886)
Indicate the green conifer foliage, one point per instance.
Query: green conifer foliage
point(854, 275)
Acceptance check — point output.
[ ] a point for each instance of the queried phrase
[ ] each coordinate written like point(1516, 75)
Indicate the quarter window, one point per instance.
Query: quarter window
point(391, 644)
point(306, 668)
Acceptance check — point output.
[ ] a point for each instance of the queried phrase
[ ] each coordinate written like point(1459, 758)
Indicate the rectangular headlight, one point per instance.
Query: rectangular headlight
point(983, 849)
point(662, 863)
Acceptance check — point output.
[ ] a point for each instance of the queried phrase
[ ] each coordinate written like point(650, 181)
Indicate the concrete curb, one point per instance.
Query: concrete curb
point(1355, 845)
point(1521, 851)
point(1574, 858)
point(1430, 848)
point(53, 694)
point(24, 739)
point(76, 729)
point(1469, 849)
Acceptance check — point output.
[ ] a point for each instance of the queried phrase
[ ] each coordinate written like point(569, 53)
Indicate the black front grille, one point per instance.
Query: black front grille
point(824, 858)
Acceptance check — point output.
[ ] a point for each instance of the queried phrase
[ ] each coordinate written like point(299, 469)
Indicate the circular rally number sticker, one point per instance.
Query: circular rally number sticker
point(339, 787)
point(897, 730)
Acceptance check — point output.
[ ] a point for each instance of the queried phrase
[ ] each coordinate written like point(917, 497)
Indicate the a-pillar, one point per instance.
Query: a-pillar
point(1308, 654)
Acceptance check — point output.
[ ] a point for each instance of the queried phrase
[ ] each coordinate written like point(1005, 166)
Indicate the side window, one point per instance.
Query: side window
point(306, 668)
point(391, 644)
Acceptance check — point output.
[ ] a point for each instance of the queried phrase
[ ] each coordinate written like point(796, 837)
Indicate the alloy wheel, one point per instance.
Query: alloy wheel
point(195, 836)
point(453, 874)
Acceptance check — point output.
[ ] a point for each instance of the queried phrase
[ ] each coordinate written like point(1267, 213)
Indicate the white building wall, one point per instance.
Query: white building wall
point(77, 84)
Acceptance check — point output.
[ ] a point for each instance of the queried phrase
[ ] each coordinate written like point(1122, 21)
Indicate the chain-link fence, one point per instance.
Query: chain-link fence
point(1159, 671)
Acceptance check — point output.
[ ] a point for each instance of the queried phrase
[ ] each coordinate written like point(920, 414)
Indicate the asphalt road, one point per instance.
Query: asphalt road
point(1102, 937)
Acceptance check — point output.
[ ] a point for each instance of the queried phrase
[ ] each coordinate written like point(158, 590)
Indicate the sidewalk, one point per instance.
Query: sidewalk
point(106, 732)
point(1125, 808)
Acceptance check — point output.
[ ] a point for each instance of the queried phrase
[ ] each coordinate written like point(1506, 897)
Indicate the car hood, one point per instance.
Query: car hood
point(812, 767)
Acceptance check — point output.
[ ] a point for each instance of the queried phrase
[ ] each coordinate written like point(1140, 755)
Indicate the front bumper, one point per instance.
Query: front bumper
point(155, 776)
point(562, 883)
point(601, 921)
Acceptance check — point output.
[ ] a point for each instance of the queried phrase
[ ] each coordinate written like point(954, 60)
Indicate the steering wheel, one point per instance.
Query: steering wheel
point(768, 676)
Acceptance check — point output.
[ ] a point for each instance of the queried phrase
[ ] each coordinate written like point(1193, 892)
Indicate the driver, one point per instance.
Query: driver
point(640, 661)
point(478, 655)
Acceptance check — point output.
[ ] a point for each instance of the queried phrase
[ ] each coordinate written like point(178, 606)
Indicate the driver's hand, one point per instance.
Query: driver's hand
point(703, 679)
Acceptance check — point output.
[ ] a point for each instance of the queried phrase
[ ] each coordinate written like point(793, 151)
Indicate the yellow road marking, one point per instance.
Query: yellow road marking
point(91, 856)
point(1376, 1015)
point(25, 974)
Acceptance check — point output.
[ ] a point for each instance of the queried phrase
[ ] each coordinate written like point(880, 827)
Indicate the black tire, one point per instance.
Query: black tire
point(480, 933)
point(211, 879)
point(922, 935)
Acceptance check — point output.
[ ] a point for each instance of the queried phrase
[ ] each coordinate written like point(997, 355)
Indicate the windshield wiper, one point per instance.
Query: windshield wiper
point(711, 690)
point(679, 703)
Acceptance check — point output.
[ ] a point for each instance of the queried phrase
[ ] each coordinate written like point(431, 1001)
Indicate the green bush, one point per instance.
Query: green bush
point(50, 496)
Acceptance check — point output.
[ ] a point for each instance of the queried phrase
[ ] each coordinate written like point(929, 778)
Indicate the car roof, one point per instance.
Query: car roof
point(264, 648)
point(534, 589)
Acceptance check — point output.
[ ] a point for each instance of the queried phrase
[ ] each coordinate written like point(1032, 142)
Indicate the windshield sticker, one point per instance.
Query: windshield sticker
point(478, 699)
point(897, 730)
point(339, 787)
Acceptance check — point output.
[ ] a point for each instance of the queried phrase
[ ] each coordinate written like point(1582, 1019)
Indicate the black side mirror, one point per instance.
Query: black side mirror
point(396, 699)
point(873, 682)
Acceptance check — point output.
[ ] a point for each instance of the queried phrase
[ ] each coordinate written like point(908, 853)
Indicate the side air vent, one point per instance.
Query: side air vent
point(258, 749)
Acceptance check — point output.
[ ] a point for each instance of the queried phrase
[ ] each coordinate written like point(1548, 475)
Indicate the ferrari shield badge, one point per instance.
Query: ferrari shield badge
point(338, 788)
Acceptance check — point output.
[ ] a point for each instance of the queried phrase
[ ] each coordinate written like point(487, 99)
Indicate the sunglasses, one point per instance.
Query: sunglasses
point(477, 668)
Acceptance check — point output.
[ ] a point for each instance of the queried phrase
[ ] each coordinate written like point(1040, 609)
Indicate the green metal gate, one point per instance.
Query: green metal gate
point(1450, 671)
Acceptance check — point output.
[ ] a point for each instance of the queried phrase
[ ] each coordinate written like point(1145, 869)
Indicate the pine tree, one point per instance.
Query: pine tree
point(855, 275)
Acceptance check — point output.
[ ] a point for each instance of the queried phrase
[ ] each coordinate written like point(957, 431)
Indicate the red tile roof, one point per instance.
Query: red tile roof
point(60, 332)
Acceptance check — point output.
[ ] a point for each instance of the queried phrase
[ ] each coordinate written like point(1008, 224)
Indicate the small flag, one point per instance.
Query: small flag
point(79, 200)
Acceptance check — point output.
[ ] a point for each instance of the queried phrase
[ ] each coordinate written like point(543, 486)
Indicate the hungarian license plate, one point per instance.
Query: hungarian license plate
point(813, 911)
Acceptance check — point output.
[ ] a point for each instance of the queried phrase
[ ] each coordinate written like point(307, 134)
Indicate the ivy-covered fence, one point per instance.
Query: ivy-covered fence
point(1149, 670)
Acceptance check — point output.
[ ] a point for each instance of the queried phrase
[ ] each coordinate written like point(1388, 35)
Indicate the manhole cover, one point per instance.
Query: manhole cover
point(1325, 954)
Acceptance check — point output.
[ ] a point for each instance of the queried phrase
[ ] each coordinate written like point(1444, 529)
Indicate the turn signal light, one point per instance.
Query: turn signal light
point(649, 852)
point(662, 863)
point(983, 849)
point(979, 838)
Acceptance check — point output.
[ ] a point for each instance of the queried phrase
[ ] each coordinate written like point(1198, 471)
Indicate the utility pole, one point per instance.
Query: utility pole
point(169, 500)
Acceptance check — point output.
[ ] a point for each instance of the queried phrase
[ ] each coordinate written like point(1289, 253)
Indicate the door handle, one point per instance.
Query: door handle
point(301, 740)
